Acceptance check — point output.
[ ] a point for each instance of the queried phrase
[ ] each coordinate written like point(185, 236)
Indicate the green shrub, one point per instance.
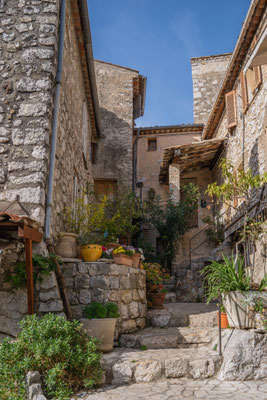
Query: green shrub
point(98, 310)
point(67, 358)
point(41, 266)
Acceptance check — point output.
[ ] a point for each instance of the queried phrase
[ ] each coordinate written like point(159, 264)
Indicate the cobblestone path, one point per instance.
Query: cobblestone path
point(176, 389)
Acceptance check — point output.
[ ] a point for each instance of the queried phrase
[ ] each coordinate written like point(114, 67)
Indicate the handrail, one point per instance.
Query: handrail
point(197, 234)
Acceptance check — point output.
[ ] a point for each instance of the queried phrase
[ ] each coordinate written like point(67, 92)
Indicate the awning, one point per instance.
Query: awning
point(190, 156)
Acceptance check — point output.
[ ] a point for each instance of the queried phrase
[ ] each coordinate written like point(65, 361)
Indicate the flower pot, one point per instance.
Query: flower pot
point(136, 259)
point(156, 299)
point(237, 311)
point(102, 329)
point(66, 246)
point(122, 259)
point(224, 320)
point(91, 252)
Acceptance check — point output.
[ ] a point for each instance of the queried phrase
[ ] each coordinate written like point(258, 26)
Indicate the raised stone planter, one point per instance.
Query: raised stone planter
point(103, 282)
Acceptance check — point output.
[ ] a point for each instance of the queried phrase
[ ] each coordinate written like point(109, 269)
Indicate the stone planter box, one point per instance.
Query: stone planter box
point(238, 312)
point(122, 259)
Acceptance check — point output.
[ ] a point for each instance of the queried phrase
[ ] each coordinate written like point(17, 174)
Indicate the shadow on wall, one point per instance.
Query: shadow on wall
point(254, 158)
point(115, 159)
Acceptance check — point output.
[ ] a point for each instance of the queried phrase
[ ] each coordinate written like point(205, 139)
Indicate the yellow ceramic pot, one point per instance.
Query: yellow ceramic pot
point(91, 252)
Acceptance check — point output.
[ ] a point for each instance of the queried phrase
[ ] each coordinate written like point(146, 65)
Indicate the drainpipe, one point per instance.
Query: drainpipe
point(135, 151)
point(52, 156)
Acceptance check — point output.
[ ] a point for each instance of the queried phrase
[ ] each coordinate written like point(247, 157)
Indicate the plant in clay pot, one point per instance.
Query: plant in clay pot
point(155, 274)
point(123, 256)
point(100, 321)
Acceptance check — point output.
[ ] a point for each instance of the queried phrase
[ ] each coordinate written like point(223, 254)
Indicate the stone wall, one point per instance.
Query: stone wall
point(247, 147)
point(207, 73)
point(28, 63)
point(13, 302)
point(28, 54)
point(115, 90)
point(71, 164)
point(104, 282)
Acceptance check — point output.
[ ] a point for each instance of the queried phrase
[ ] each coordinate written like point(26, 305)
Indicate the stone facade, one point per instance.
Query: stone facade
point(247, 147)
point(208, 74)
point(103, 282)
point(13, 302)
point(29, 44)
point(115, 85)
point(28, 51)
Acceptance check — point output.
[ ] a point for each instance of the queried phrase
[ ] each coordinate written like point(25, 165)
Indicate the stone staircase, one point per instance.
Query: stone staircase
point(178, 344)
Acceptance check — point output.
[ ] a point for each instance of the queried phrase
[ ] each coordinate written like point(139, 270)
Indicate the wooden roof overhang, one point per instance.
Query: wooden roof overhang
point(169, 129)
point(191, 156)
point(249, 28)
point(26, 229)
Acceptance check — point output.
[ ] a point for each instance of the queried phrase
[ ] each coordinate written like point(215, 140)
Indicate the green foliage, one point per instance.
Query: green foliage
point(143, 347)
point(226, 276)
point(149, 251)
point(239, 185)
point(99, 310)
point(214, 230)
point(67, 358)
point(41, 266)
point(101, 219)
point(172, 220)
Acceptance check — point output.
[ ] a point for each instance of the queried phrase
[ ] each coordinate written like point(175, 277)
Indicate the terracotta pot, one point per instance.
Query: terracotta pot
point(66, 246)
point(224, 320)
point(103, 329)
point(122, 259)
point(156, 299)
point(136, 259)
point(91, 252)
point(112, 246)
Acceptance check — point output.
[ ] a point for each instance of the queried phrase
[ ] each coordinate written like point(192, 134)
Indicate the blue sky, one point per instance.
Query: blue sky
point(158, 38)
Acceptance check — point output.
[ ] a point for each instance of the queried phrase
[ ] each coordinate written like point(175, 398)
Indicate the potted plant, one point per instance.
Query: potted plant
point(91, 246)
point(213, 230)
point(123, 256)
point(224, 319)
point(100, 321)
point(230, 277)
point(66, 245)
point(156, 293)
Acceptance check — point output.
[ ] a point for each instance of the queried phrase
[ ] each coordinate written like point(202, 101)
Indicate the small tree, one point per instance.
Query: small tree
point(241, 186)
point(172, 220)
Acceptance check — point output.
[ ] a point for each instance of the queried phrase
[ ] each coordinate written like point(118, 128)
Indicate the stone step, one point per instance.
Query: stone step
point(183, 314)
point(170, 298)
point(124, 366)
point(169, 338)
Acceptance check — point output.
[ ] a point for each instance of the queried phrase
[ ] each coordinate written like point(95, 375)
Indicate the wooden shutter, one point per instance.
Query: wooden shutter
point(257, 76)
point(244, 92)
point(230, 100)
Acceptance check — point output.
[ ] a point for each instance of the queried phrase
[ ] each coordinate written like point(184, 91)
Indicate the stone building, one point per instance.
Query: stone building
point(148, 149)
point(49, 115)
point(121, 93)
point(47, 111)
point(235, 129)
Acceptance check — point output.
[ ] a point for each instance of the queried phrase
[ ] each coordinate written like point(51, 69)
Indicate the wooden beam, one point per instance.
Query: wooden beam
point(29, 269)
point(30, 233)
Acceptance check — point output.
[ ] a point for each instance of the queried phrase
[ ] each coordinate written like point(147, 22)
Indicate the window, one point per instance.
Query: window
point(105, 187)
point(230, 102)
point(152, 144)
point(250, 81)
point(84, 130)
point(94, 152)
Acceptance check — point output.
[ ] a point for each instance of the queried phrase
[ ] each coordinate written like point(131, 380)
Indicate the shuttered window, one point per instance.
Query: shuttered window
point(244, 92)
point(257, 76)
point(230, 100)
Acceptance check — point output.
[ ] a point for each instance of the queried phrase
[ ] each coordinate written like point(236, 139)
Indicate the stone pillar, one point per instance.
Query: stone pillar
point(174, 181)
